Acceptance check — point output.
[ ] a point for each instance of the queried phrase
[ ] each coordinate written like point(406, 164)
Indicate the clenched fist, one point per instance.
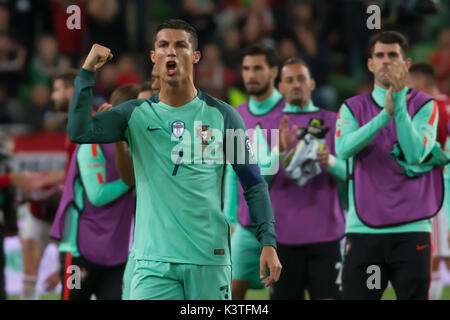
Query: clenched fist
point(97, 57)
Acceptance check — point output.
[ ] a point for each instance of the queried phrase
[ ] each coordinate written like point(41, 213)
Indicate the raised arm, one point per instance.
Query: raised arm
point(350, 138)
point(416, 136)
point(104, 127)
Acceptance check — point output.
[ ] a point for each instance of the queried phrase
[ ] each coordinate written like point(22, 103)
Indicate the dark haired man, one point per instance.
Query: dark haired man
point(259, 67)
point(181, 242)
point(308, 219)
point(35, 230)
point(386, 135)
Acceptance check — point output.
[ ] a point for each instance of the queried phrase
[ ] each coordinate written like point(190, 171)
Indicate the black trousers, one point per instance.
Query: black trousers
point(372, 260)
point(104, 282)
point(313, 267)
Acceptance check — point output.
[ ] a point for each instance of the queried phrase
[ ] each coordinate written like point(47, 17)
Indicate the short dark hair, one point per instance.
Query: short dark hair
point(146, 86)
point(67, 77)
point(179, 24)
point(425, 69)
point(388, 37)
point(295, 60)
point(124, 93)
point(261, 49)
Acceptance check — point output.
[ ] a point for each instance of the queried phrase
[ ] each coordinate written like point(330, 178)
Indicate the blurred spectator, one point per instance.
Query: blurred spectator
point(41, 115)
point(12, 59)
point(71, 43)
point(287, 48)
point(317, 56)
point(106, 24)
point(127, 71)
point(440, 60)
point(231, 48)
point(5, 117)
point(200, 13)
point(26, 19)
point(48, 63)
point(4, 19)
point(259, 23)
point(105, 84)
point(211, 74)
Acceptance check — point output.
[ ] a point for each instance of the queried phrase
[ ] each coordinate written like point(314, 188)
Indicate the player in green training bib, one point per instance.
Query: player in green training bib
point(180, 141)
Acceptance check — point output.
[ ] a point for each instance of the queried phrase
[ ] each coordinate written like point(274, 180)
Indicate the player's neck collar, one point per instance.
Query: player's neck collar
point(310, 107)
point(260, 108)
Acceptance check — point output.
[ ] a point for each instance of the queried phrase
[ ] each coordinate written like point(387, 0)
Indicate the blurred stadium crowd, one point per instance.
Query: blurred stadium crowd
point(331, 36)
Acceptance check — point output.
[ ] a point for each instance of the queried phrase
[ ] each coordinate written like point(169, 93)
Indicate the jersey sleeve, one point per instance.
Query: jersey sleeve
point(337, 168)
point(231, 195)
point(239, 153)
point(92, 166)
point(350, 138)
point(105, 127)
point(416, 136)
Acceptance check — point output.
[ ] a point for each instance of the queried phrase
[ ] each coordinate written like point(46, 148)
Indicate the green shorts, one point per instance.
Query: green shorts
point(245, 256)
point(127, 276)
point(156, 280)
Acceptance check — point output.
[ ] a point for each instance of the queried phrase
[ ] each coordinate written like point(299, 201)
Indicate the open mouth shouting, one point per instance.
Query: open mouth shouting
point(171, 68)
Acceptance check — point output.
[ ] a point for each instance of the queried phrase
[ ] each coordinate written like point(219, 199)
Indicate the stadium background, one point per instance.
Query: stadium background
point(331, 36)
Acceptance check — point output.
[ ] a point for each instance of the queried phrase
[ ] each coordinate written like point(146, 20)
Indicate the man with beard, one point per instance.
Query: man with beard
point(308, 219)
point(259, 70)
point(179, 193)
point(35, 231)
point(388, 135)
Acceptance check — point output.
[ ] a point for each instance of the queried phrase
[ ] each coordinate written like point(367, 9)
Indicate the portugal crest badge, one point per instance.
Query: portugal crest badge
point(178, 128)
point(205, 134)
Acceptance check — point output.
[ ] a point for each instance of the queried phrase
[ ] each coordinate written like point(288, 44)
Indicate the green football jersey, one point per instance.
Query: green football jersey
point(179, 155)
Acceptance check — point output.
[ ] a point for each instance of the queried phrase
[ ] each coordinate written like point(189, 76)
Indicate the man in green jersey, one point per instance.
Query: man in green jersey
point(259, 64)
point(383, 134)
point(179, 140)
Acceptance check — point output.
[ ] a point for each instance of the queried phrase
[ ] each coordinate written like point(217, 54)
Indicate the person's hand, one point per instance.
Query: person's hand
point(287, 137)
point(389, 106)
point(322, 156)
point(97, 57)
point(397, 76)
point(105, 107)
point(269, 259)
point(52, 281)
point(28, 181)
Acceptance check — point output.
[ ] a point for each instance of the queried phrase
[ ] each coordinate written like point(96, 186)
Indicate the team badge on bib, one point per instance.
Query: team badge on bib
point(178, 128)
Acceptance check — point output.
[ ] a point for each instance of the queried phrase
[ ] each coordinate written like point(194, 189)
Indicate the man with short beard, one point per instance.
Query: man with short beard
point(308, 219)
point(181, 243)
point(259, 70)
point(35, 231)
point(388, 136)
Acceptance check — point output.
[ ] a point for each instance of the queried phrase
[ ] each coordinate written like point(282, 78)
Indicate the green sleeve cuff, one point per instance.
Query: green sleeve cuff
point(399, 100)
point(338, 169)
point(87, 76)
point(384, 118)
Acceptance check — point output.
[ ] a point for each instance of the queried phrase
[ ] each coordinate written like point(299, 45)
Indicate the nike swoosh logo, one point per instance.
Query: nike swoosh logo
point(152, 129)
point(421, 247)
